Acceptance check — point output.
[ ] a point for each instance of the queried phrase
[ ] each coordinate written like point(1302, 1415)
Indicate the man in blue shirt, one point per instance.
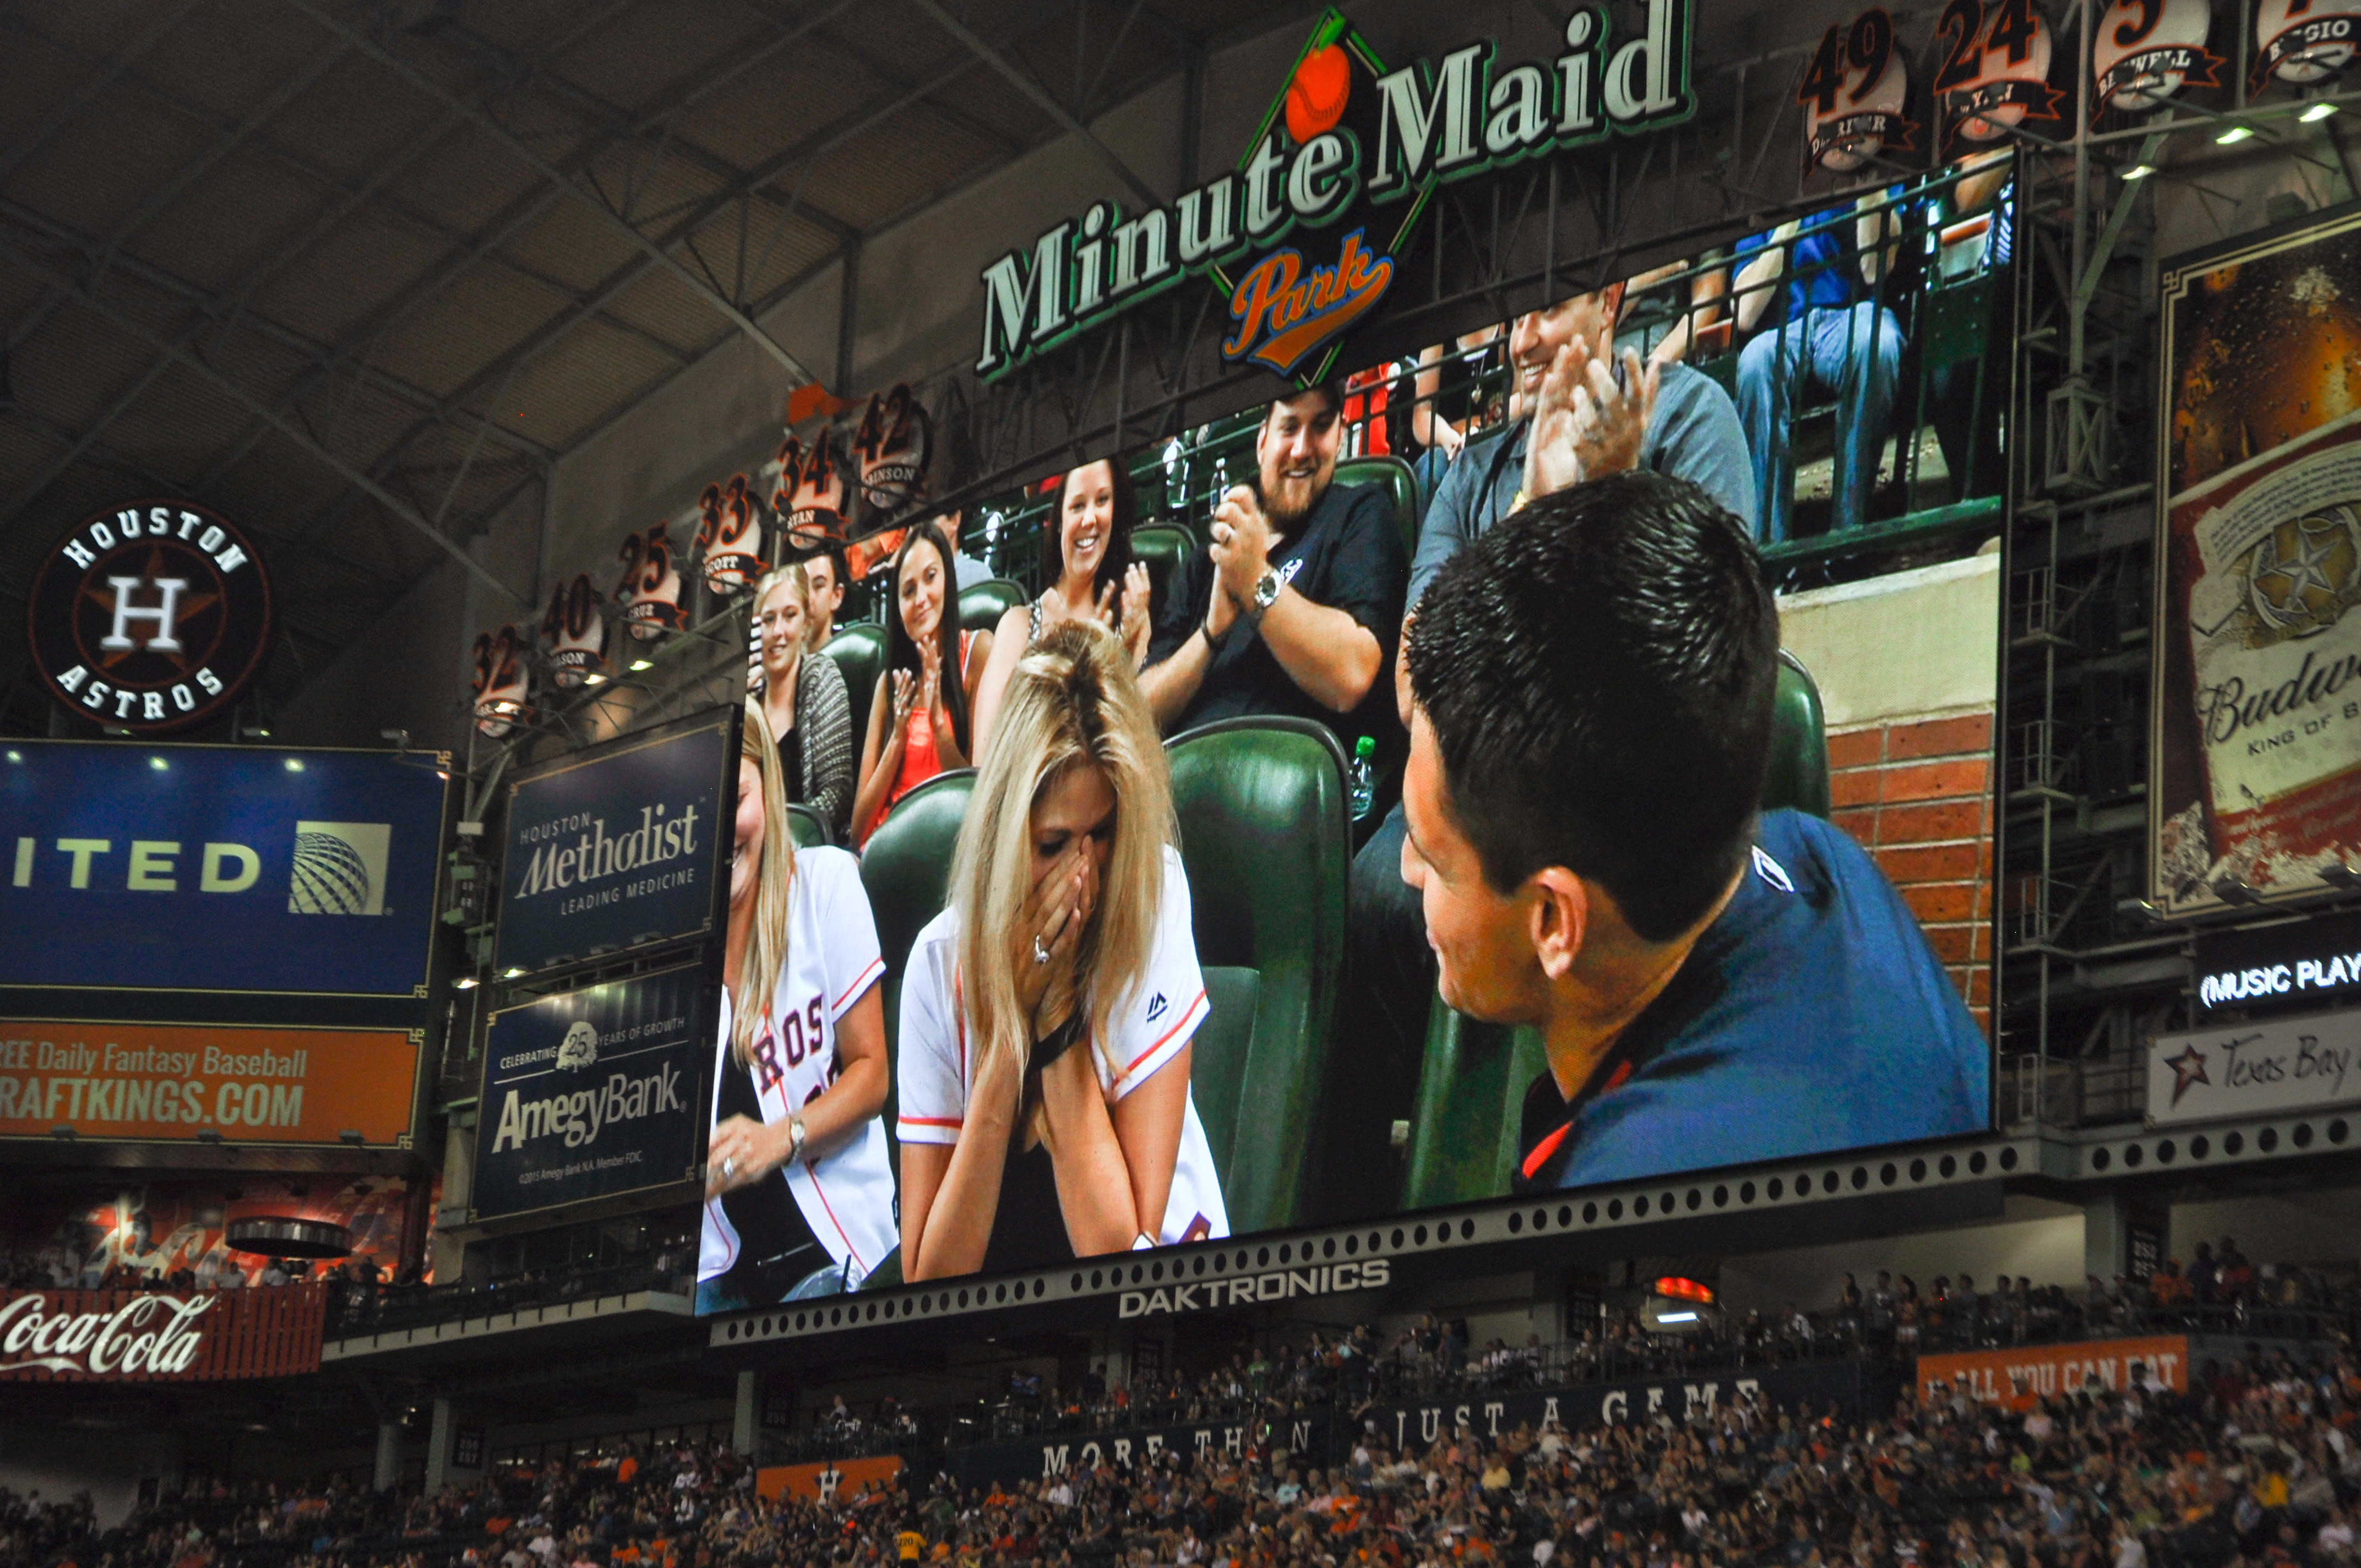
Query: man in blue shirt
point(1592, 685)
point(1572, 418)
point(1824, 330)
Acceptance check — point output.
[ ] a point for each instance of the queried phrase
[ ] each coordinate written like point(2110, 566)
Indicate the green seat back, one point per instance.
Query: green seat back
point(981, 605)
point(1798, 776)
point(805, 828)
point(1267, 848)
point(1958, 320)
point(1160, 548)
point(1394, 477)
point(859, 651)
point(1472, 1081)
point(905, 870)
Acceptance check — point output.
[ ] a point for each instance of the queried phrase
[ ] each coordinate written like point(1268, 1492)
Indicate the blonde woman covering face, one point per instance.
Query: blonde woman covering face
point(1047, 1015)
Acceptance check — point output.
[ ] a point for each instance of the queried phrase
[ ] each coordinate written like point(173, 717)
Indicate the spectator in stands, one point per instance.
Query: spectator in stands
point(1592, 685)
point(919, 720)
point(804, 700)
point(1809, 290)
point(1088, 571)
point(1047, 1013)
point(825, 571)
point(800, 1195)
point(1575, 415)
point(1294, 606)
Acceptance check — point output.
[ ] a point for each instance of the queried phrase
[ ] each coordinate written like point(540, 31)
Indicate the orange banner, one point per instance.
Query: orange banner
point(2018, 1377)
point(149, 1082)
point(805, 1480)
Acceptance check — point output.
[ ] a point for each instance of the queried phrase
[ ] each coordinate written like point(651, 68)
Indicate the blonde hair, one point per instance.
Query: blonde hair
point(797, 582)
point(767, 944)
point(1072, 701)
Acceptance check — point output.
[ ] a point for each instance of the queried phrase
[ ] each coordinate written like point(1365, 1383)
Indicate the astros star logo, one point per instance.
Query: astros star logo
point(2188, 1069)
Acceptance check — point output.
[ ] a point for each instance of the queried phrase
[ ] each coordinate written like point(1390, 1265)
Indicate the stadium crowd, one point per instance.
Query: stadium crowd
point(2257, 1463)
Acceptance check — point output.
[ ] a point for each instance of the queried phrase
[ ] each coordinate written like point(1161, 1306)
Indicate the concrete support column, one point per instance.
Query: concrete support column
point(438, 1447)
point(389, 1456)
point(2106, 1227)
point(1117, 1356)
point(741, 1430)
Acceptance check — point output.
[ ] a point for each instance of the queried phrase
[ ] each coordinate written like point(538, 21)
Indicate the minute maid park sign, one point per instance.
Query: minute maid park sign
point(1303, 237)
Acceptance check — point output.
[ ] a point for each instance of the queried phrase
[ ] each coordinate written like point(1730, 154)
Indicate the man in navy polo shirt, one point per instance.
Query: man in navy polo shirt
point(1592, 683)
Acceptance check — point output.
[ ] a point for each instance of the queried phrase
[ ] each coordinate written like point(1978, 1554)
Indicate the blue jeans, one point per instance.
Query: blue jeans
point(1856, 353)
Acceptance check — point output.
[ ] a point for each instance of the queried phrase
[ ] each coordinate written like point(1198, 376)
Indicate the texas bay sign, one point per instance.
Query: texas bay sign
point(1345, 161)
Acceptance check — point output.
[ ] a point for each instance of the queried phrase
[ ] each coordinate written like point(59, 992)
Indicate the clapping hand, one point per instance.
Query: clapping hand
point(1585, 424)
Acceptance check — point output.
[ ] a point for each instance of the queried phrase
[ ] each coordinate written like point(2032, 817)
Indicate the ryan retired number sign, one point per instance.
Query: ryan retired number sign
point(150, 617)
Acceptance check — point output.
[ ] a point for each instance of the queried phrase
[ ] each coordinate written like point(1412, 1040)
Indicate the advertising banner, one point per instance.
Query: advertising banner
point(1411, 1427)
point(138, 1337)
point(217, 868)
point(149, 1082)
point(592, 1094)
point(2019, 1378)
point(2279, 967)
point(2255, 1069)
point(2257, 752)
point(829, 1480)
point(614, 846)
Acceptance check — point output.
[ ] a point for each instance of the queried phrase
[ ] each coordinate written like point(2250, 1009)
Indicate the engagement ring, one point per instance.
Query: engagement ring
point(1041, 953)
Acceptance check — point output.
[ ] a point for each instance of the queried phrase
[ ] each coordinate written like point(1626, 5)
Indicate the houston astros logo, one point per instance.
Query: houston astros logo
point(150, 617)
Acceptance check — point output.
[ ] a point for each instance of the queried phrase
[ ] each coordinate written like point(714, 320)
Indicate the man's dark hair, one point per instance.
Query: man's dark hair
point(1330, 392)
point(1599, 671)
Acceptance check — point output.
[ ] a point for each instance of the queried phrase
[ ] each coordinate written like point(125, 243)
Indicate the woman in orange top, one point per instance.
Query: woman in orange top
point(924, 730)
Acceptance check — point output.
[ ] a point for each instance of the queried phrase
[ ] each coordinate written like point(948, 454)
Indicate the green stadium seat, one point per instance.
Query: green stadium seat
point(1160, 548)
point(805, 828)
point(906, 869)
point(859, 651)
point(1472, 1081)
point(1798, 775)
point(1267, 847)
point(981, 605)
point(1395, 478)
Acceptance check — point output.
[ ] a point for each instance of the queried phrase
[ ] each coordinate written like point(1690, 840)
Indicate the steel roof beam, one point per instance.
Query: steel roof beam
point(1023, 83)
point(221, 308)
point(286, 426)
point(565, 182)
point(81, 97)
point(162, 197)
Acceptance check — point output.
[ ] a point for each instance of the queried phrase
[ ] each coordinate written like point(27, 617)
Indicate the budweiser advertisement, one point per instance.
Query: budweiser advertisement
point(144, 1336)
point(2256, 765)
point(2021, 1378)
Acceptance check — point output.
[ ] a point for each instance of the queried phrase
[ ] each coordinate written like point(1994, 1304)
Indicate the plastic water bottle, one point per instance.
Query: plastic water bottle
point(1361, 777)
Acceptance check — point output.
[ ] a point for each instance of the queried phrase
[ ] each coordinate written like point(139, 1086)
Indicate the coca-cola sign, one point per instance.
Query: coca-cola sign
point(146, 1335)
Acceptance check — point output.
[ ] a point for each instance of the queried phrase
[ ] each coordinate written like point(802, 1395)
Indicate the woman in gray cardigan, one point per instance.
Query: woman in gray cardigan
point(804, 700)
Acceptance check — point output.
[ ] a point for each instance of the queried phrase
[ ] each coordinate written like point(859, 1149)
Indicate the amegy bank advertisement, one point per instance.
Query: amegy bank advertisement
point(148, 1081)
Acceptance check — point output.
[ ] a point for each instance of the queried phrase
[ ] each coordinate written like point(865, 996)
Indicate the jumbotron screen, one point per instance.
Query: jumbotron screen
point(1560, 756)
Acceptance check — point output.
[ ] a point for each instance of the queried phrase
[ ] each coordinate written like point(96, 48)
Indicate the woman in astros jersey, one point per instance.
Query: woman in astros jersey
point(800, 1197)
point(1047, 1015)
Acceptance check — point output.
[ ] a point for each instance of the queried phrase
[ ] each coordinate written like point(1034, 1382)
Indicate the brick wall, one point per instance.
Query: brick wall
point(1916, 793)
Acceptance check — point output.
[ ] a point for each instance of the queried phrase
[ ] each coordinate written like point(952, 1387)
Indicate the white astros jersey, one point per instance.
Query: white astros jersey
point(846, 1191)
point(1150, 1025)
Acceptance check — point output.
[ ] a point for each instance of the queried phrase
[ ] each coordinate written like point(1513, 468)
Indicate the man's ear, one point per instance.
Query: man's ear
point(1559, 919)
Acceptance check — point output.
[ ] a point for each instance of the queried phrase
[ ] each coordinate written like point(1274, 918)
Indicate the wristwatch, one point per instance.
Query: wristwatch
point(1266, 594)
point(796, 1135)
